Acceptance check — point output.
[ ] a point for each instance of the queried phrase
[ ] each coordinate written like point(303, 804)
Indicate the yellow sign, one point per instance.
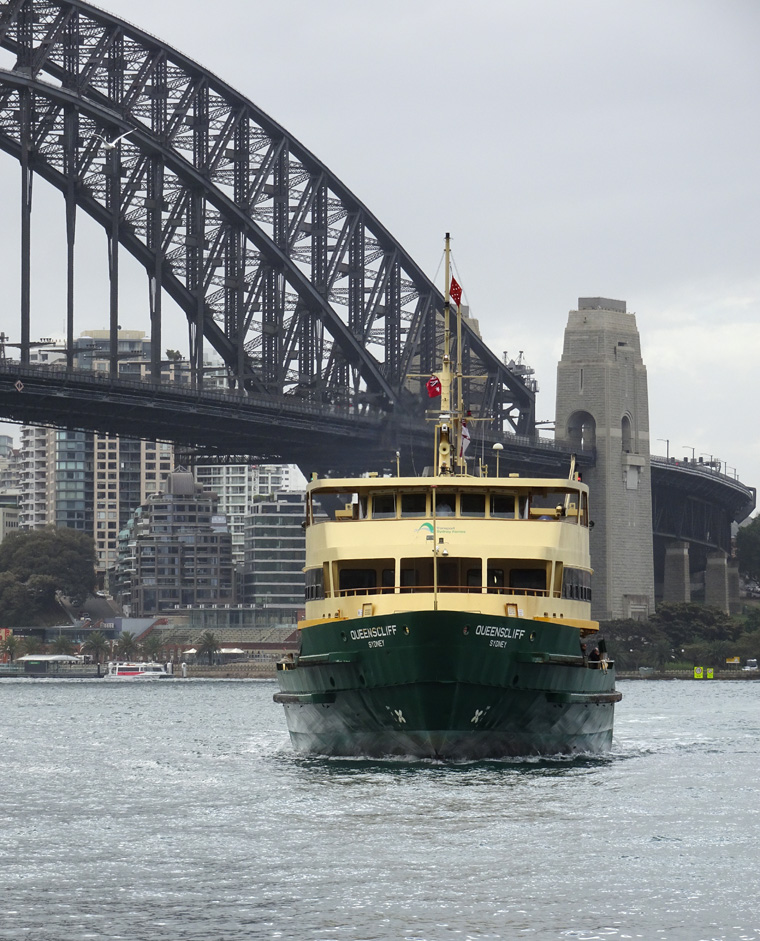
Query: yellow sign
point(710, 673)
point(698, 673)
point(733, 659)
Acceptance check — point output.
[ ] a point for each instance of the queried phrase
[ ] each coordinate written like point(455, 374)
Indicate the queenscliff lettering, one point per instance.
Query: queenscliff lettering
point(366, 633)
point(491, 630)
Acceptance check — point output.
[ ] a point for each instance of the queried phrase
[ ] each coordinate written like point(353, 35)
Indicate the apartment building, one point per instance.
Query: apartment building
point(175, 551)
point(275, 551)
point(239, 486)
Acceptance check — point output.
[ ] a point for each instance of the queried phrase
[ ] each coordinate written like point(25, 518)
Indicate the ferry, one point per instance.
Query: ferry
point(448, 615)
point(130, 670)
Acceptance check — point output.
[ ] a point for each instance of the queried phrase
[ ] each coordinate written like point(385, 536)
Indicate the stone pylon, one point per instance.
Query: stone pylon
point(602, 404)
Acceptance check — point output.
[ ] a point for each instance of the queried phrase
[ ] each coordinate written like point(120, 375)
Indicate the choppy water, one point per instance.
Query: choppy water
point(176, 810)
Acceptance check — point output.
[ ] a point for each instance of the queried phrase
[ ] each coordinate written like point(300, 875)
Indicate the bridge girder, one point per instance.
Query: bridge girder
point(276, 264)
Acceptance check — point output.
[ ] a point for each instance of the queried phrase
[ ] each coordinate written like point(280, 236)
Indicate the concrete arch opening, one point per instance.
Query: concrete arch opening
point(581, 431)
point(625, 429)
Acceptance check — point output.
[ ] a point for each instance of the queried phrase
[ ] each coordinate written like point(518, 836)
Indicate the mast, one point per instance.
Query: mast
point(444, 426)
point(450, 428)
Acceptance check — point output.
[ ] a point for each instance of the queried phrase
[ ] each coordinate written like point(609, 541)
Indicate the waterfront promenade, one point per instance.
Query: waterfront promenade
point(245, 670)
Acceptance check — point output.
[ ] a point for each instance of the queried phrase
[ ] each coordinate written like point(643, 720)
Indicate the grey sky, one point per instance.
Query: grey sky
point(572, 149)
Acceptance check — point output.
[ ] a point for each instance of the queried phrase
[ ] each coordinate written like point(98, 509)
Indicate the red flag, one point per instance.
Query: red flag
point(433, 386)
point(455, 291)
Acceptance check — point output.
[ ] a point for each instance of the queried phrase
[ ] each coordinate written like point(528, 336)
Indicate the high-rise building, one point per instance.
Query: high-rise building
point(94, 482)
point(175, 551)
point(275, 551)
point(8, 516)
point(87, 481)
point(239, 486)
point(37, 476)
point(10, 466)
point(125, 474)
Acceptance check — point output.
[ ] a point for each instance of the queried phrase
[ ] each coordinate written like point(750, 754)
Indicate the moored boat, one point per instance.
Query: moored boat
point(135, 670)
point(448, 615)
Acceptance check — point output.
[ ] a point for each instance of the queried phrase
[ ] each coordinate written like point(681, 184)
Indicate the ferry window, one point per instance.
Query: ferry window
point(447, 574)
point(408, 578)
point(472, 504)
point(357, 579)
point(315, 586)
point(528, 579)
point(576, 583)
point(495, 578)
point(445, 503)
point(584, 509)
point(503, 505)
point(544, 505)
point(474, 578)
point(413, 504)
point(416, 574)
point(388, 578)
point(384, 506)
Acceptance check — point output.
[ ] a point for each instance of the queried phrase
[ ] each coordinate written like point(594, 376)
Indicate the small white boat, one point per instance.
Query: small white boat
point(131, 670)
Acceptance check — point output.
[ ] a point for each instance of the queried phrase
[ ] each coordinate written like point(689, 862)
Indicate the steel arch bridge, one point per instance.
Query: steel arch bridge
point(276, 264)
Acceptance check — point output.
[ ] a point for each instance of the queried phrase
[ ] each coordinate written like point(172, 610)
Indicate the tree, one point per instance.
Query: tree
point(32, 645)
point(15, 602)
point(126, 646)
point(681, 622)
point(152, 646)
point(62, 645)
point(10, 647)
point(748, 549)
point(207, 645)
point(96, 646)
point(632, 644)
point(48, 560)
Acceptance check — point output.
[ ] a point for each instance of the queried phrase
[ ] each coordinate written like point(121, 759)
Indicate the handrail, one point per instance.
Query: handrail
point(450, 589)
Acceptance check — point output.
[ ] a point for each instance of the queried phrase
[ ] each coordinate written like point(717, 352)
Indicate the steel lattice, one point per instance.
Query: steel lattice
point(296, 285)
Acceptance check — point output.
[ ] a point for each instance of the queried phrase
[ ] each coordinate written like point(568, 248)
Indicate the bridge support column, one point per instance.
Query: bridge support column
point(676, 584)
point(716, 580)
point(734, 598)
point(602, 406)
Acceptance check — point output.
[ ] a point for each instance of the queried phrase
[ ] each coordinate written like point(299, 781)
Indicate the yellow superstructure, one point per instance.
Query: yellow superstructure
point(509, 546)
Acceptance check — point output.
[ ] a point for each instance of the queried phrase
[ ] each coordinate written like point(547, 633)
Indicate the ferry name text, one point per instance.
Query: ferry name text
point(492, 630)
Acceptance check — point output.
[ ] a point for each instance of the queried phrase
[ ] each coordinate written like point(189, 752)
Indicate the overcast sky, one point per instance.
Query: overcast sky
point(571, 148)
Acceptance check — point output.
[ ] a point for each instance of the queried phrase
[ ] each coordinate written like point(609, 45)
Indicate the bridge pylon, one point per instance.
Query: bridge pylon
point(602, 403)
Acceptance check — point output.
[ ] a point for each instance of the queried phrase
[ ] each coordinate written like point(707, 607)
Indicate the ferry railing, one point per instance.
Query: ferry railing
point(451, 589)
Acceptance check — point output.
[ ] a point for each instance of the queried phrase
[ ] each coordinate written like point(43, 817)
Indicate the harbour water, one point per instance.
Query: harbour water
point(177, 810)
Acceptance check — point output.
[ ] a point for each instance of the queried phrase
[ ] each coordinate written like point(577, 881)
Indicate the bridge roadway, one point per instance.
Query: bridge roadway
point(260, 428)
point(690, 501)
point(695, 503)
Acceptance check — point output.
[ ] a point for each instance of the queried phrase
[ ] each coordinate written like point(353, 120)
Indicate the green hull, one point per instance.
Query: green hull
point(444, 684)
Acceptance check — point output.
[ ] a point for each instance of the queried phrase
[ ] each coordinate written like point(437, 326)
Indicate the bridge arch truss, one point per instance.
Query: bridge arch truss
point(276, 264)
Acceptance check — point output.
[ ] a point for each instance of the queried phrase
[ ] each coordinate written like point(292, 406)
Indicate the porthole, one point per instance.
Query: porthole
point(532, 636)
point(343, 636)
point(466, 630)
point(406, 629)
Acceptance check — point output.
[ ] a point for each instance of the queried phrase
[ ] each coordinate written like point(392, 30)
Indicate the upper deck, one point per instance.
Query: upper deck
point(529, 499)
point(399, 536)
